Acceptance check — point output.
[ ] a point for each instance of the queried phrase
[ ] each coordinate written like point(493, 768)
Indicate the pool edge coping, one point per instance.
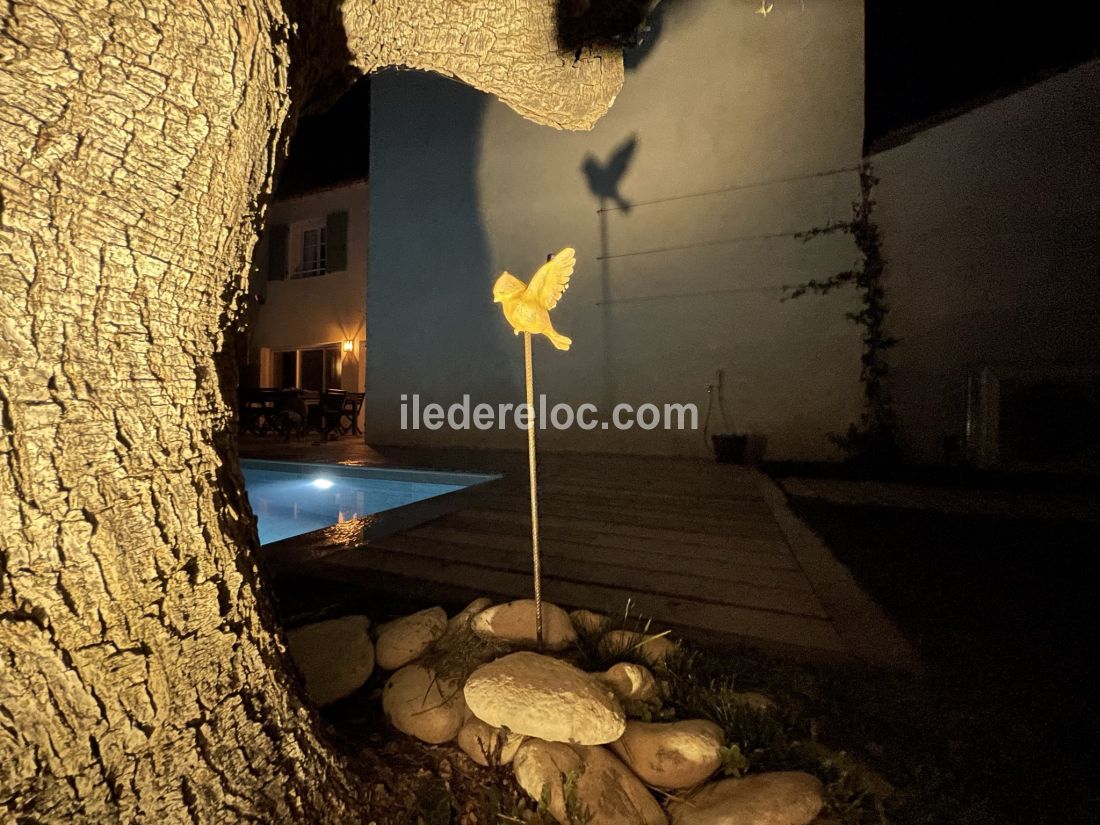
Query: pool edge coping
point(283, 556)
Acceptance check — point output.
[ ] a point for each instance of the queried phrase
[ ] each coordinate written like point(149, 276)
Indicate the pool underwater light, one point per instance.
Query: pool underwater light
point(322, 483)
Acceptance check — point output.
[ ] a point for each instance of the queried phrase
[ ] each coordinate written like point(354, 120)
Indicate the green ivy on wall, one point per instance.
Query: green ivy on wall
point(873, 440)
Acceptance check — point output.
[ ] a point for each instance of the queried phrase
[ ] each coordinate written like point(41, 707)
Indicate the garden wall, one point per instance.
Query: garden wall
point(989, 225)
point(745, 129)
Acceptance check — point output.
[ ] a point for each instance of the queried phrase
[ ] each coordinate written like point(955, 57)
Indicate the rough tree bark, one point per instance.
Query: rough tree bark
point(141, 674)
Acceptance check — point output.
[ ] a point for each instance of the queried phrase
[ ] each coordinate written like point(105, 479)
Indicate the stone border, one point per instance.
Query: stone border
point(869, 634)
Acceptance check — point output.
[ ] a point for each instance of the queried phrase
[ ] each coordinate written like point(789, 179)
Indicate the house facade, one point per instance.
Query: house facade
point(989, 228)
point(735, 134)
point(308, 328)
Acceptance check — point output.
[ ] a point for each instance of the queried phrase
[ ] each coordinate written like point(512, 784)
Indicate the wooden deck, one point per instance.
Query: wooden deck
point(702, 548)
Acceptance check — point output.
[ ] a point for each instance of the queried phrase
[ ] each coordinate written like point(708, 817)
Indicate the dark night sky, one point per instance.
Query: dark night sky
point(928, 60)
point(330, 147)
point(925, 62)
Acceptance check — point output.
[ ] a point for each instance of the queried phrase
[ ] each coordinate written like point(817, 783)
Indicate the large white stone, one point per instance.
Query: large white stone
point(515, 622)
point(671, 755)
point(655, 649)
point(421, 705)
point(335, 657)
point(782, 798)
point(535, 695)
point(403, 640)
point(480, 741)
point(604, 787)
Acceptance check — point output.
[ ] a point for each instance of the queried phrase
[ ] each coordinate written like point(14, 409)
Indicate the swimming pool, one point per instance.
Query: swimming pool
point(292, 498)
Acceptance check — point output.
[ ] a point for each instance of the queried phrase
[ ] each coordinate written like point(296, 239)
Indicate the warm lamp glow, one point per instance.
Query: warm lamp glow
point(348, 346)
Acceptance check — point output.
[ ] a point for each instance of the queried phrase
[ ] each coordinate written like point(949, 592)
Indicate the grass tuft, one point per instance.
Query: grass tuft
point(460, 651)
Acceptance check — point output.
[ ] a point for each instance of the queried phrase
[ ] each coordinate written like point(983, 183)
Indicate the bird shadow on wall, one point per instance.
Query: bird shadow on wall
point(604, 179)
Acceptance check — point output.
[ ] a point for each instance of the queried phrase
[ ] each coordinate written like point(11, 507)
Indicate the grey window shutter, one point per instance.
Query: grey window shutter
point(278, 237)
point(336, 241)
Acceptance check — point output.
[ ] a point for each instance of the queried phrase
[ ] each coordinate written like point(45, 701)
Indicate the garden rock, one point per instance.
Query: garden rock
point(589, 622)
point(335, 657)
point(782, 798)
point(480, 741)
point(602, 786)
point(403, 640)
point(515, 622)
point(671, 755)
point(631, 683)
point(536, 695)
point(424, 706)
point(462, 618)
point(654, 649)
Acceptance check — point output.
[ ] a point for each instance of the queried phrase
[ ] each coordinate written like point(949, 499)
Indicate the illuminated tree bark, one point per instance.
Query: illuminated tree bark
point(141, 674)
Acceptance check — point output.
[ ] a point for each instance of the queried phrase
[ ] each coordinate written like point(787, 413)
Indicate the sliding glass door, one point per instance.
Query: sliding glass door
point(316, 369)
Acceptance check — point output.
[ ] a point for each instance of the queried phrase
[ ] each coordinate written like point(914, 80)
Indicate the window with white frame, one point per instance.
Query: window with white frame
point(308, 250)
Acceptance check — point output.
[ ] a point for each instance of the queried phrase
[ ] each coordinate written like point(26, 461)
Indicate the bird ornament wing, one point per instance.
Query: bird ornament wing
point(507, 286)
point(552, 279)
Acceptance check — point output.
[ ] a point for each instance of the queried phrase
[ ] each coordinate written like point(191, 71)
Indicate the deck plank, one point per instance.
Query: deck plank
point(783, 628)
point(614, 544)
point(686, 584)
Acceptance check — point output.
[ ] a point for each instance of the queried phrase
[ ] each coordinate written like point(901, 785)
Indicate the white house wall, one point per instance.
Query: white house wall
point(989, 226)
point(761, 112)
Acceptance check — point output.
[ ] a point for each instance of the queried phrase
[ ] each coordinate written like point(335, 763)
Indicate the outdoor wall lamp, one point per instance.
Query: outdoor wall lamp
point(348, 346)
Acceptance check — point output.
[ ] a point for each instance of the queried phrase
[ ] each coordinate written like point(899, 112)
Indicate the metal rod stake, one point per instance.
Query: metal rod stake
point(530, 382)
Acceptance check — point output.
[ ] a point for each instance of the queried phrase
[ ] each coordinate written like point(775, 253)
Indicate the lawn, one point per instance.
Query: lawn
point(1003, 611)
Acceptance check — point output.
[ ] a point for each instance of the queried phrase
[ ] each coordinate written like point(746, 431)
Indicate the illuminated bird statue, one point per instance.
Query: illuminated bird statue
point(527, 306)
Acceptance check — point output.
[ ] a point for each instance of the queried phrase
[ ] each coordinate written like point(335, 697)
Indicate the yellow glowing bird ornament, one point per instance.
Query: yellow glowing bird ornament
point(527, 306)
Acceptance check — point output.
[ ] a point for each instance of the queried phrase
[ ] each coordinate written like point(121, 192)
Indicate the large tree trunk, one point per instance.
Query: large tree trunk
point(141, 674)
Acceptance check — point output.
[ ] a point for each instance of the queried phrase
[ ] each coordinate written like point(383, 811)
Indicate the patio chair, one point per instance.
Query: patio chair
point(349, 415)
point(327, 413)
point(253, 411)
point(290, 415)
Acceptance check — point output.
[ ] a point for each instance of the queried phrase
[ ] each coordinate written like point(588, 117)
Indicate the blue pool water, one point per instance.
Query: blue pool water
point(291, 498)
